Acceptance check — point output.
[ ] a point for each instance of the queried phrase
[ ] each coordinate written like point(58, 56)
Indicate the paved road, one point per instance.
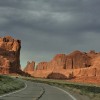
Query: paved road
point(53, 93)
point(31, 92)
point(36, 90)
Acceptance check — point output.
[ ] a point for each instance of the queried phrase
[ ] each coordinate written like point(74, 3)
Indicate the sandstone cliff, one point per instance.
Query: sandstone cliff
point(9, 55)
point(75, 65)
point(30, 67)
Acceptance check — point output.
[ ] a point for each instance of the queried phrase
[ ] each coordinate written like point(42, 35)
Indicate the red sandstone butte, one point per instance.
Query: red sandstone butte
point(9, 55)
point(30, 67)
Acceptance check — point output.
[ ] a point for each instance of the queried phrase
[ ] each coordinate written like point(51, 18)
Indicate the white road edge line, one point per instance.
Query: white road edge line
point(14, 91)
point(66, 92)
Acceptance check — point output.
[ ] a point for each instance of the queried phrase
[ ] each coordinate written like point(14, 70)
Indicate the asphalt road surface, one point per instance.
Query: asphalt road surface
point(39, 91)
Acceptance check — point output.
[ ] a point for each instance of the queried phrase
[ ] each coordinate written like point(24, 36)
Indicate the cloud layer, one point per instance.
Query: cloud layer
point(48, 27)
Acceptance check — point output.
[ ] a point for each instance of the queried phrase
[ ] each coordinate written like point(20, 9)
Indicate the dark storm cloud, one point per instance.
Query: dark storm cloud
point(79, 15)
point(47, 27)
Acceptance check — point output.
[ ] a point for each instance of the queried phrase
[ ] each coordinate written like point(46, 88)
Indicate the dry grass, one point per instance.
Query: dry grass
point(8, 84)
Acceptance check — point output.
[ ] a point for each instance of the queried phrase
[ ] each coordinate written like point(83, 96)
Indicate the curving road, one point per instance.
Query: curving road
point(38, 91)
point(54, 93)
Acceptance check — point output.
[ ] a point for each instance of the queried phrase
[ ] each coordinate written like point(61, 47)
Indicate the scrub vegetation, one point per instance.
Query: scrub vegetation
point(8, 84)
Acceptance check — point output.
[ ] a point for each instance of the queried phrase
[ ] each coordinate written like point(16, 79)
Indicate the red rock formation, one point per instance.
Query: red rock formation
point(77, 64)
point(92, 54)
point(74, 60)
point(58, 62)
point(42, 66)
point(77, 59)
point(9, 55)
point(30, 67)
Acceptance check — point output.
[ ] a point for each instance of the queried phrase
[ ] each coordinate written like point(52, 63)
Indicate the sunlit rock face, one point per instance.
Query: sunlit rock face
point(74, 60)
point(9, 55)
point(58, 62)
point(42, 66)
point(30, 67)
point(74, 65)
point(77, 59)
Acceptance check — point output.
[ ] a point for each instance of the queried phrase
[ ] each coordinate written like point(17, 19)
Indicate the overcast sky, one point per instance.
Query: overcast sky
point(49, 27)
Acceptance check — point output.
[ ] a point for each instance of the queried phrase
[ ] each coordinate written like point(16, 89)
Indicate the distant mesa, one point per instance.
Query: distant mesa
point(72, 66)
